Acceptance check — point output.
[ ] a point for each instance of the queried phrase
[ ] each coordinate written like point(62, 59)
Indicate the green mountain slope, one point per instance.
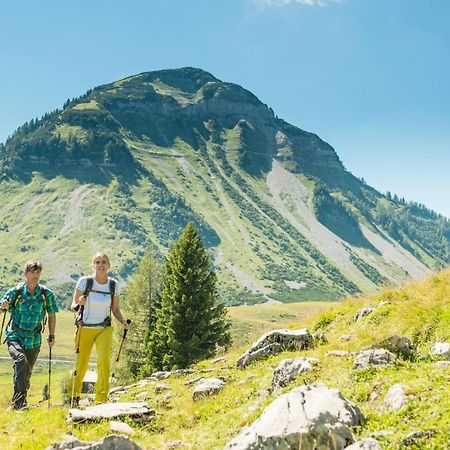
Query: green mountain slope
point(419, 311)
point(128, 164)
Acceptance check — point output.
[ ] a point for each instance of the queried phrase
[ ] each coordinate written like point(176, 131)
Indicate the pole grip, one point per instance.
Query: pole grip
point(126, 331)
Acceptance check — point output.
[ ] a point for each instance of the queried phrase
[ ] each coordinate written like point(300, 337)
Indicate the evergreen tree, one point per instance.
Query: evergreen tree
point(142, 299)
point(191, 322)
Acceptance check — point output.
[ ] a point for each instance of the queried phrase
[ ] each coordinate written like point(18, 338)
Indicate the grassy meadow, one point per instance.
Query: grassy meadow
point(420, 311)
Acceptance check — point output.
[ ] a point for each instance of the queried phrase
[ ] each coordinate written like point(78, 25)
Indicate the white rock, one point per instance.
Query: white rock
point(289, 369)
point(307, 417)
point(274, 342)
point(374, 358)
point(443, 364)
point(120, 427)
point(441, 350)
point(395, 397)
point(209, 386)
point(365, 444)
point(111, 411)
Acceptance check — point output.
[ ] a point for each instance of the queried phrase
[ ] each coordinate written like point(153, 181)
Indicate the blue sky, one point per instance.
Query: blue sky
point(371, 77)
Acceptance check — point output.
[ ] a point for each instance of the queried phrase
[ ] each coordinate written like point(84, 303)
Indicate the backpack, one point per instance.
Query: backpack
point(18, 296)
point(87, 290)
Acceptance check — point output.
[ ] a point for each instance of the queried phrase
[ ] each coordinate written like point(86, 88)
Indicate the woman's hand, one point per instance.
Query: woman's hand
point(82, 300)
point(126, 324)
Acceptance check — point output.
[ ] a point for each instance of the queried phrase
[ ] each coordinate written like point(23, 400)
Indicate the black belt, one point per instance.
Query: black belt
point(36, 330)
point(105, 323)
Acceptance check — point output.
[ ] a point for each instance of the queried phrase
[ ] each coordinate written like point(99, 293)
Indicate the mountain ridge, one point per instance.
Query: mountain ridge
point(176, 145)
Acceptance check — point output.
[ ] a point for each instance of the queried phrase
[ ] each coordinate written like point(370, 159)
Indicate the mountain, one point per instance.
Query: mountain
point(127, 165)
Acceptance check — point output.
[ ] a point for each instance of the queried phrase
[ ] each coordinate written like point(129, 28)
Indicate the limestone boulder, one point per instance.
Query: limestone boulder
point(395, 397)
point(400, 345)
point(441, 350)
point(274, 342)
point(207, 387)
point(136, 410)
point(374, 358)
point(289, 369)
point(308, 417)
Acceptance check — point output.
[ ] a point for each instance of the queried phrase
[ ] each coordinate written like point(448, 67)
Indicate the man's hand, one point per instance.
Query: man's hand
point(5, 305)
point(51, 340)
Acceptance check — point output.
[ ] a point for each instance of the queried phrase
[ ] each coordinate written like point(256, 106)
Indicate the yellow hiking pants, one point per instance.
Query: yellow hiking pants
point(102, 337)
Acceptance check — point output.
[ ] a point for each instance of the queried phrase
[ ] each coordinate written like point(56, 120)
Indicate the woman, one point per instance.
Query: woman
point(95, 298)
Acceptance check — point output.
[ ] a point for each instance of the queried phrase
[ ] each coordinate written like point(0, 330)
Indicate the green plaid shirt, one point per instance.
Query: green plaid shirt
point(28, 314)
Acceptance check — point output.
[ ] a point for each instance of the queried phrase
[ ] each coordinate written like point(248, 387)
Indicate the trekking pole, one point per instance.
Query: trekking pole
point(49, 374)
point(77, 352)
point(121, 344)
point(3, 324)
point(122, 341)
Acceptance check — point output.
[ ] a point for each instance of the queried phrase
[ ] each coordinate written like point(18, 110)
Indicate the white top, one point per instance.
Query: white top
point(98, 303)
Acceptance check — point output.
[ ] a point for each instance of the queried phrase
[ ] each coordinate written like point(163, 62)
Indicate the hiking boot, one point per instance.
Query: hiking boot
point(22, 406)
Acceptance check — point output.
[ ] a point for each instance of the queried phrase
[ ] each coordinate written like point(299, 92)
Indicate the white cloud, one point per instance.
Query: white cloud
point(275, 3)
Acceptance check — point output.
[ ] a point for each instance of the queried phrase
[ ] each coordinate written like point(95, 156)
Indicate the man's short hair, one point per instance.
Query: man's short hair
point(33, 266)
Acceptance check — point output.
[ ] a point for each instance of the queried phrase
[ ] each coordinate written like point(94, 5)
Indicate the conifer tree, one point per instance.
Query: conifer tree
point(141, 300)
point(191, 322)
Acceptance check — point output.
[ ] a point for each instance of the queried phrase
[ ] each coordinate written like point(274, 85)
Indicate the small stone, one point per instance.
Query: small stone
point(346, 337)
point(443, 364)
point(161, 387)
point(411, 438)
point(218, 360)
point(171, 445)
point(363, 313)
point(121, 427)
point(339, 353)
point(441, 350)
point(365, 444)
point(142, 395)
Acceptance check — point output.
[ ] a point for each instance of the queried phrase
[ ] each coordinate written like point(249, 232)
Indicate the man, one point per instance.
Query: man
point(29, 304)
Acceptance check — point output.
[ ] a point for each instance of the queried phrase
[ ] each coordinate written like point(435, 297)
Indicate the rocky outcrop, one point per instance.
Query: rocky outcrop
point(308, 417)
point(289, 369)
point(274, 342)
point(374, 358)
